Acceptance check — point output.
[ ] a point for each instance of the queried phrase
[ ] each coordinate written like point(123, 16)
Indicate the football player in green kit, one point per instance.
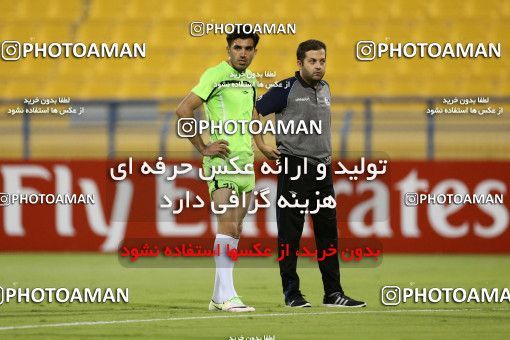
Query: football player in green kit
point(228, 93)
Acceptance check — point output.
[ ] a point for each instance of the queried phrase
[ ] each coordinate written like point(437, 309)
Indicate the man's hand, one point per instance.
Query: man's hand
point(218, 148)
point(270, 152)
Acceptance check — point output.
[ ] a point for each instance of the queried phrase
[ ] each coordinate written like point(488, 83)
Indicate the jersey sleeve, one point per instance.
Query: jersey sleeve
point(254, 94)
point(273, 101)
point(206, 85)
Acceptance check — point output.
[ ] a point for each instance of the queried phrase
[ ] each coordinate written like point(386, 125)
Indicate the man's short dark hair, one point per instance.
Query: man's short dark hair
point(309, 45)
point(233, 36)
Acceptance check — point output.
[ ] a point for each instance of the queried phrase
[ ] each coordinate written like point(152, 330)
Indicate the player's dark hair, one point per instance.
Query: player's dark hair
point(233, 36)
point(309, 45)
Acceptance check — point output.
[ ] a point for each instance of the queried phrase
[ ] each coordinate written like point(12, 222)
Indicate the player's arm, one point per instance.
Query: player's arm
point(273, 101)
point(185, 110)
point(268, 151)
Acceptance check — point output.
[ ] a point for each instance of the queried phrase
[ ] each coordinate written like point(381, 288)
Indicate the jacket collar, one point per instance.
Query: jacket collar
point(304, 83)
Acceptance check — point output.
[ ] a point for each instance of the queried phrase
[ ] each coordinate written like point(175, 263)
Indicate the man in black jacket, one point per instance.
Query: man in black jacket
point(305, 97)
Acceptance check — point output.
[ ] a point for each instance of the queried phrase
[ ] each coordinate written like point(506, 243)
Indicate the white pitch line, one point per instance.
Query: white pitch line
point(244, 315)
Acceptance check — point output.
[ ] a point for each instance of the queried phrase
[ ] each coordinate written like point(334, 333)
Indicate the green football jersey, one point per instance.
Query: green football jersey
point(228, 95)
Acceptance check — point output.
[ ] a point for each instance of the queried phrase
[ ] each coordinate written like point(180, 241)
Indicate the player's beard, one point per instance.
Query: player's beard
point(242, 65)
point(312, 77)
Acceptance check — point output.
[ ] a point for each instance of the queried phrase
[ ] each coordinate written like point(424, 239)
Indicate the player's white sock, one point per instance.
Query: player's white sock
point(224, 280)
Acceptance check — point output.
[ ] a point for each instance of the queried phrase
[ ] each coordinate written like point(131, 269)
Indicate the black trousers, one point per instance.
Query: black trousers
point(290, 222)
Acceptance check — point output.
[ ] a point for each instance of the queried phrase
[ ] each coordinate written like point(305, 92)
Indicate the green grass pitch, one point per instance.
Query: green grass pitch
point(172, 302)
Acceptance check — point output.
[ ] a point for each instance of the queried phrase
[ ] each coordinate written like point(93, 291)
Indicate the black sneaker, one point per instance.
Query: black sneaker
point(297, 301)
point(339, 299)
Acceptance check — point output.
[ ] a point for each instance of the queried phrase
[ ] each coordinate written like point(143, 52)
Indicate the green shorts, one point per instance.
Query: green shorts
point(238, 183)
